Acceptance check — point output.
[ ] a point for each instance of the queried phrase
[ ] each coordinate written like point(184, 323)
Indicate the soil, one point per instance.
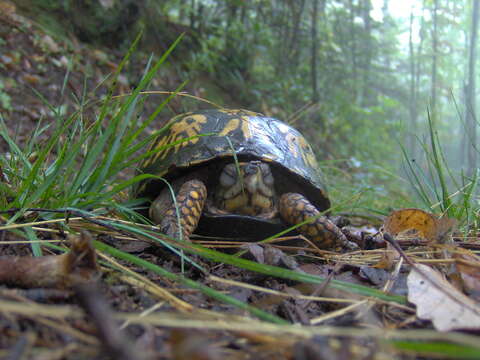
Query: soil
point(73, 318)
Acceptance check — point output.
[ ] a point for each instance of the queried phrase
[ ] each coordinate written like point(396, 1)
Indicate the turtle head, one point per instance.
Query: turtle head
point(246, 188)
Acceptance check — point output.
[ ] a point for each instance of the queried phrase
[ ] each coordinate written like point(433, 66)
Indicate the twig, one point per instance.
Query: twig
point(115, 343)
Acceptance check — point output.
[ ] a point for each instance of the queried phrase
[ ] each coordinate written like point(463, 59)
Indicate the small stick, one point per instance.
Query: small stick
point(116, 345)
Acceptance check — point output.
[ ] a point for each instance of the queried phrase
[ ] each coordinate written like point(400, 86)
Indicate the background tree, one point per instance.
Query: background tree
point(470, 111)
point(356, 75)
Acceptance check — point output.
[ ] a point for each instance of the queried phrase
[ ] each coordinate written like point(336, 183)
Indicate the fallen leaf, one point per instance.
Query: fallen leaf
point(468, 265)
point(277, 257)
point(31, 79)
point(271, 255)
point(257, 252)
point(133, 246)
point(442, 303)
point(376, 276)
point(419, 223)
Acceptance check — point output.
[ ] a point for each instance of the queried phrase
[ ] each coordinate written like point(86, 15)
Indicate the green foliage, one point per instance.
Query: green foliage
point(438, 186)
point(5, 99)
point(79, 166)
point(111, 23)
point(259, 55)
point(439, 349)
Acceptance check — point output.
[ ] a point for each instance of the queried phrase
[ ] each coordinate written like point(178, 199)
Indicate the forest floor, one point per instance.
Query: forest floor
point(283, 301)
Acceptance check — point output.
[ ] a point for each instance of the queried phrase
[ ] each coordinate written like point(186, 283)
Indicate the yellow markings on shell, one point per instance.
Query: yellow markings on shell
point(292, 143)
point(190, 126)
point(239, 111)
point(298, 146)
point(246, 127)
point(307, 152)
point(186, 127)
point(242, 123)
point(231, 126)
point(251, 113)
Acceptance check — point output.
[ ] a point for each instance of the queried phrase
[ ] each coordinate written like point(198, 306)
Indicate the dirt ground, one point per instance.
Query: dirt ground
point(176, 321)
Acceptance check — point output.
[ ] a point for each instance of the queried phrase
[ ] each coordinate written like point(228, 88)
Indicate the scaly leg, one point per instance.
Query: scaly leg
point(295, 208)
point(190, 201)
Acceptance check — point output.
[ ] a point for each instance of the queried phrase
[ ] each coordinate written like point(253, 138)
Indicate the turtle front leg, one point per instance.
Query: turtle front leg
point(295, 208)
point(190, 201)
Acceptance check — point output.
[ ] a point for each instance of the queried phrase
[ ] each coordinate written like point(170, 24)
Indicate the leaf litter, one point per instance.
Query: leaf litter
point(161, 316)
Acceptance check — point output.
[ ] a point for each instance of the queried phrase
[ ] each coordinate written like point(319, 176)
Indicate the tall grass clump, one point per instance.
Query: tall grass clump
point(437, 185)
point(78, 167)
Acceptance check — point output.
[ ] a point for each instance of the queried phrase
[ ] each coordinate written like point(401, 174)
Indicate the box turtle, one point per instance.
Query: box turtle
point(239, 171)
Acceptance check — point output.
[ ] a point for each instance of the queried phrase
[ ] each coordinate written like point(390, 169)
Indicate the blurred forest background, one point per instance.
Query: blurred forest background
point(361, 78)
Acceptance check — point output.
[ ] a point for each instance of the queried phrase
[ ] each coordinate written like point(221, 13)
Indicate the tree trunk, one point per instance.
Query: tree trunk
point(192, 14)
point(294, 47)
point(470, 111)
point(367, 99)
point(433, 92)
point(353, 48)
point(411, 141)
point(315, 96)
point(232, 11)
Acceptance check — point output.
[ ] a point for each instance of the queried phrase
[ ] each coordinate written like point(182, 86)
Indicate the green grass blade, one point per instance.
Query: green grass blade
point(442, 350)
point(35, 245)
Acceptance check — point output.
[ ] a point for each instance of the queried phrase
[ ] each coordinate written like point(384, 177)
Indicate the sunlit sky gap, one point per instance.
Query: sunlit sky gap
point(400, 9)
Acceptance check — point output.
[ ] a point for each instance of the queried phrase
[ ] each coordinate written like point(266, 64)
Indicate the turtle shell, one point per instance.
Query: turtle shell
point(196, 139)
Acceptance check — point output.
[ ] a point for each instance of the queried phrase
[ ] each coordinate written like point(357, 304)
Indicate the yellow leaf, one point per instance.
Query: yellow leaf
point(422, 223)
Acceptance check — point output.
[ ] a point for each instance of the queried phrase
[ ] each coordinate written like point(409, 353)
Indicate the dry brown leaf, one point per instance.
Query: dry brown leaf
point(442, 303)
point(31, 79)
point(416, 222)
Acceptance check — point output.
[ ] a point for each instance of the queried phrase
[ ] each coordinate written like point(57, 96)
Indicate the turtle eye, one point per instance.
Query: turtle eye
point(266, 174)
point(228, 177)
